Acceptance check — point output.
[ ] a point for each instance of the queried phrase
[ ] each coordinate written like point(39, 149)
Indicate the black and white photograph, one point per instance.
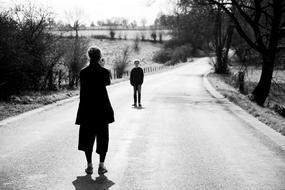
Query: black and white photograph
point(142, 95)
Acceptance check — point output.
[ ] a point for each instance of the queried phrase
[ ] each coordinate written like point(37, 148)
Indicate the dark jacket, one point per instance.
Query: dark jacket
point(94, 106)
point(136, 77)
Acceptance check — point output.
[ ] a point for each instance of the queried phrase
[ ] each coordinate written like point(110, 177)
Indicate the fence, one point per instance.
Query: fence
point(114, 74)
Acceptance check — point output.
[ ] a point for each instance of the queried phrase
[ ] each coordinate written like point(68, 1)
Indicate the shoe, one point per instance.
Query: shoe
point(102, 170)
point(140, 105)
point(89, 170)
point(135, 105)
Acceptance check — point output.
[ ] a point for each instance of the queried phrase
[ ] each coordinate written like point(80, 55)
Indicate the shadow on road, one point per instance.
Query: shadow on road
point(87, 183)
point(139, 108)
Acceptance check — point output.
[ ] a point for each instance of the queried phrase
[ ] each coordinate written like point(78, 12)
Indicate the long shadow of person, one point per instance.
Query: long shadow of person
point(87, 183)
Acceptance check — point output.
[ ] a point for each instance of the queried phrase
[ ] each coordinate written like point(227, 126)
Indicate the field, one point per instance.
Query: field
point(129, 34)
point(112, 49)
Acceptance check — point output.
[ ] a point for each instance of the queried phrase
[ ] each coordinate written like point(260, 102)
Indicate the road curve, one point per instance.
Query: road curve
point(183, 138)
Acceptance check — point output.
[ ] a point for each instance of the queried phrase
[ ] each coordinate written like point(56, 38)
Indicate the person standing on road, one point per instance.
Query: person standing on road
point(136, 80)
point(95, 111)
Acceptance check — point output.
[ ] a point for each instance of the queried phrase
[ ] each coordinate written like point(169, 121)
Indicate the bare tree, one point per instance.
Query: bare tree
point(264, 19)
point(78, 49)
point(223, 31)
point(143, 22)
point(75, 19)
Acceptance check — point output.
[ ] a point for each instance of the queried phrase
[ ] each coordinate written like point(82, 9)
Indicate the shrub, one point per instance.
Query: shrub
point(179, 54)
point(142, 36)
point(28, 53)
point(122, 61)
point(136, 45)
point(163, 55)
point(160, 37)
point(100, 37)
point(174, 55)
point(120, 36)
point(112, 34)
point(172, 43)
point(153, 36)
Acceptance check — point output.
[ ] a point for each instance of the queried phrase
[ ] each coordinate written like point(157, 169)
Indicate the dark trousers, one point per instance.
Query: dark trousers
point(137, 93)
point(88, 134)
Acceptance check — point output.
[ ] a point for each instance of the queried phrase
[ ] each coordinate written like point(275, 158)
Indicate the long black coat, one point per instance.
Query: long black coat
point(94, 106)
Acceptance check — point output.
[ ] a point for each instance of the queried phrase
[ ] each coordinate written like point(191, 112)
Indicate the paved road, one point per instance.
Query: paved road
point(183, 138)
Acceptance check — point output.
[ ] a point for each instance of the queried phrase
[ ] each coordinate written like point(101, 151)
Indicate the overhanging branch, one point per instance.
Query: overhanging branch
point(238, 26)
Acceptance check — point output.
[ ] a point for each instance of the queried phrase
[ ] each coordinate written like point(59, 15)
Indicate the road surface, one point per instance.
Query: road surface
point(183, 138)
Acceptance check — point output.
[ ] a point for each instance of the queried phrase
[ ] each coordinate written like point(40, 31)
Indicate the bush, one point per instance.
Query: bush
point(172, 43)
point(163, 55)
point(112, 34)
point(153, 36)
point(122, 61)
point(174, 55)
point(179, 54)
point(160, 37)
point(10, 50)
point(143, 37)
point(198, 53)
point(27, 52)
point(100, 37)
point(136, 46)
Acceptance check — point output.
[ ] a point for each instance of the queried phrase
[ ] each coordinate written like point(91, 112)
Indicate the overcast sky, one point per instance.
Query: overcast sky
point(95, 10)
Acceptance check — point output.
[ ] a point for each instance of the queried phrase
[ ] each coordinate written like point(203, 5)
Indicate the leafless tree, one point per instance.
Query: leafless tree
point(78, 48)
point(264, 21)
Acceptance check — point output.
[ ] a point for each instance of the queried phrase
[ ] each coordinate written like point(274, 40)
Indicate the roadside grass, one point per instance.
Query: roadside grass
point(277, 92)
point(32, 100)
point(227, 85)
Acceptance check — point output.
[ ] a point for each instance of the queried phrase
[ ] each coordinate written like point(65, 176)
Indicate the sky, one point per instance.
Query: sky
point(94, 10)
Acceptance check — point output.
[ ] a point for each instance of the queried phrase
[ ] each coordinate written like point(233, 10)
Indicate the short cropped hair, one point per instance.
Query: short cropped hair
point(94, 54)
point(136, 60)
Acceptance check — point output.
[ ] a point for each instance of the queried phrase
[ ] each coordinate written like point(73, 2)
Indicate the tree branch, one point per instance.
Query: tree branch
point(256, 23)
point(238, 26)
point(243, 14)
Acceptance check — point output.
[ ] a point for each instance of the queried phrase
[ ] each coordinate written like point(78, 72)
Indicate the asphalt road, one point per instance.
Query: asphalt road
point(183, 138)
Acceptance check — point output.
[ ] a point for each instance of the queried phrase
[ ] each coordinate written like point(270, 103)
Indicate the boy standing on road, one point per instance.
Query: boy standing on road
point(136, 80)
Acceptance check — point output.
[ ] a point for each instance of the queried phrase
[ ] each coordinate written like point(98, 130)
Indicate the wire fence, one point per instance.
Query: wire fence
point(126, 74)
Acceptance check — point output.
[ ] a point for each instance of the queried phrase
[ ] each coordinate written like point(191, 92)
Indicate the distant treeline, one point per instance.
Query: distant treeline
point(161, 35)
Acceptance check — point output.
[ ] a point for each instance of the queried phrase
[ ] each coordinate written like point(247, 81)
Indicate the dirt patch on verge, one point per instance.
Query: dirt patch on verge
point(264, 114)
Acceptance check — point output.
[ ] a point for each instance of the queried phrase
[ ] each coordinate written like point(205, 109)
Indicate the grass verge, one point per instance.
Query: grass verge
point(29, 101)
point(264, 114)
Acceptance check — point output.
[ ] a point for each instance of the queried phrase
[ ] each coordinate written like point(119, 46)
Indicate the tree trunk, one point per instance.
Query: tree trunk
point(228, 36)
point(71, 80)
point(262, 89)
point(221, 64)
point(50, 80)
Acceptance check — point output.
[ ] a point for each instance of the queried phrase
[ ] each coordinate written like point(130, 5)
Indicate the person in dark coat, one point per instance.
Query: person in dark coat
point(95, 111)
point(136, 80)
